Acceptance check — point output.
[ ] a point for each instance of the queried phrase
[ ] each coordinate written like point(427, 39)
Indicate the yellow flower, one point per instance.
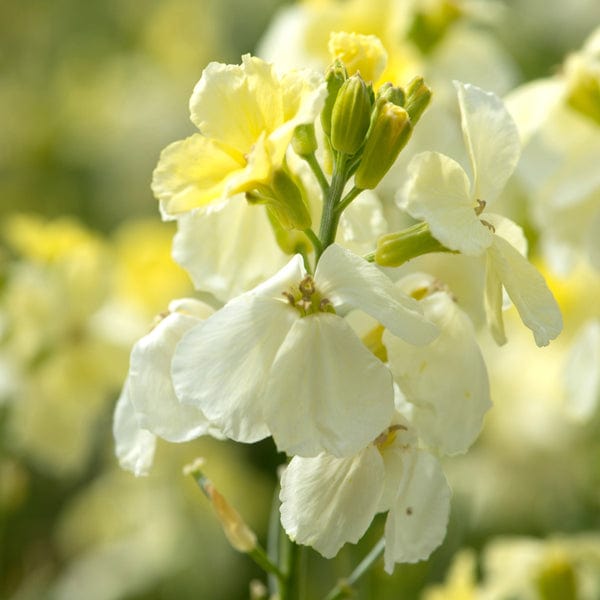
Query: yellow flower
point(246, 115)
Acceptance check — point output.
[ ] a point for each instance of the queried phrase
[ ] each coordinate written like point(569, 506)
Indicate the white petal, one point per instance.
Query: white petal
point(151, 389)
point(222, 365)
point(416, 524)
point(528, 291)
point(493, 301)
point(134, 446)
point(491, 138)
point(449, 408)
point(438, 192)
point(327, 392)
point(509, 231)
point(582, 373)
point(348, 280)
point(227, 249)
point(327, 501)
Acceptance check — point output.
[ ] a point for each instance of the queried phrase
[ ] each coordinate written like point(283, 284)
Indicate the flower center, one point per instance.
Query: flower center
point(306, 299)
point(384, 440)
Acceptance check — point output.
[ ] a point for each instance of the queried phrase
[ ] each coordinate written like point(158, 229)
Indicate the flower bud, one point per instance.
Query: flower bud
point(284, 196)
point(392, 93)
point(418, 96)
point(335, 77)
point(394, 249)
point(389, 133)
point(304, 141)
point(351, 116)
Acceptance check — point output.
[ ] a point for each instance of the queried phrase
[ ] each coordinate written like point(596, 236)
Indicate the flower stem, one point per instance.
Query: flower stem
point(343, 589)
point(346, 200)
point(313, 163)
point(330, 217)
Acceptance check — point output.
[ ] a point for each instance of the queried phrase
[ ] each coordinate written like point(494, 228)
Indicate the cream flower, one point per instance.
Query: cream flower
point(281, 360)
point(440, 192)
point(246, 115)
point(147, 406)
point(328, 501)
point(446, 382)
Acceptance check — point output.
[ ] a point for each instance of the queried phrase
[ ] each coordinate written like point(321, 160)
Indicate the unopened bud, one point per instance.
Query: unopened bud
point(351, 116)
point(418, 96)
point(394, 249)
point(389, 133)
point(392, 93)
point(304, 141)
point(284, 197)
point(335, 76)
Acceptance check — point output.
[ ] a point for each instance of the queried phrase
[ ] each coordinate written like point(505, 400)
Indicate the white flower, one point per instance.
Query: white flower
point(445, 381)
point(147, 406)
point(281, 360)
point(328, 501)
point(440, 192)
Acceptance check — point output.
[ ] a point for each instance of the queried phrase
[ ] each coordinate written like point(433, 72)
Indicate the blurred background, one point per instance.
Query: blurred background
point(90, 92)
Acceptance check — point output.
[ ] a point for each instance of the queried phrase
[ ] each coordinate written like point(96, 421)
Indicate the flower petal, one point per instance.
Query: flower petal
point(234, 104)
point(327, 392)
point(582, 373)
point(151, 389)
point(494, 302)
point(449, 410)
point(527, 289)
point(438, 192)
point(134, 446)
point(228, 249)
point(416, 524)
point(192, 173)
point(491, 138)
point(222, 365)
point(327, 501)
point(348, 281)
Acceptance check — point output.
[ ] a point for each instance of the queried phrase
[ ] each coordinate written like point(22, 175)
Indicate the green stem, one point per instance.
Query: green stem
point(346, 200)
point(314, 238)
point(343, 589)
point(259, 556)
point(329, 217)
point(313, 163)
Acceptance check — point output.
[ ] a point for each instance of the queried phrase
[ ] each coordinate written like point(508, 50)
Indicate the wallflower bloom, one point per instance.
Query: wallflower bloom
point(440, 192)
point(246, 115)
point(328, 501)
point(280, 360)
point(148, 406)
point(447, 409)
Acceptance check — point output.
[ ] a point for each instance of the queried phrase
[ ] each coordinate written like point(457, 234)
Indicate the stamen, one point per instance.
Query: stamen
point(480, 206)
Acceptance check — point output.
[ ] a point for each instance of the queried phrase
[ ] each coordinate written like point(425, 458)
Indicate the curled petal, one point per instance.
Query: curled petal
point(327, 392)
point(151, 389)
point(527, 289)
point(328, 501)
point(134, 446)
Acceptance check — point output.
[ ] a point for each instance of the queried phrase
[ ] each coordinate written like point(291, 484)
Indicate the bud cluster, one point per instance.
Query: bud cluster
point(371, 128)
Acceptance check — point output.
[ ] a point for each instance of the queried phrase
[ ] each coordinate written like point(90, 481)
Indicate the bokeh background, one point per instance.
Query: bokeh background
point(90, 92)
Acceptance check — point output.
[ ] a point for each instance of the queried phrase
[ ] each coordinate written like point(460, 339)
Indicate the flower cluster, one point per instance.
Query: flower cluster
point(363, 376)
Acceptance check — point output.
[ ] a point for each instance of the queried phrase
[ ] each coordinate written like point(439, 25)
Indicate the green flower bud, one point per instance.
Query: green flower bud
point(291, 241)
point(390, 132)
point(284, 197)
point(388, 91)
point(304, 141)
point(335, 76)
point(394, 249)
point(418, 96)
point(557, 581)
point(351, 115)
